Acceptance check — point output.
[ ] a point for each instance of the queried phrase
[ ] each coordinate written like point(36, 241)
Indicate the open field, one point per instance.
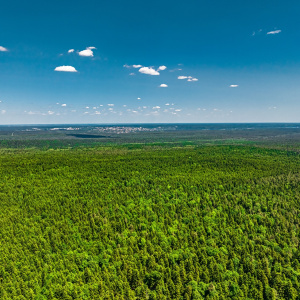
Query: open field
point(150, 215)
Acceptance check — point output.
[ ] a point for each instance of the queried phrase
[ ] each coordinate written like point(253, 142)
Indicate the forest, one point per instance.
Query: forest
point(149, 221)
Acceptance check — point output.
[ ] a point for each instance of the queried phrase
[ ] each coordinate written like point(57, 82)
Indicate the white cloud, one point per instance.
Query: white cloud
point(64, 105)
point(234, 85)
point(189, 78)
point(50, 112)
point(3, 49)
point(110, 104)
point(156, 107)
point(139, 98)
point(161, 68)
point(148, 71)
point(177, 69)
point(71, 50)
point(3, 111)
point(256, 32)
point(133, 66)
point(167, 104)
point(88, 52)
point(274, 32)
point(163, 85)
point(131, 74)
point(178, 109)
point(65, 69)
point(32, 113)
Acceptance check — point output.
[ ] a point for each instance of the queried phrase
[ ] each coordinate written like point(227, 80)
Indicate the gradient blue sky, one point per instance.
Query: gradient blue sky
point(252, 44)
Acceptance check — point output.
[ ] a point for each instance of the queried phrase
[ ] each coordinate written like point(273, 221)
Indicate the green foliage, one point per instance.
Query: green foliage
point(214, 222)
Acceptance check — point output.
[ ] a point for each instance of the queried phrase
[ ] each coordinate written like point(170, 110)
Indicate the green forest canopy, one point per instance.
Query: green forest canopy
point(197, 222)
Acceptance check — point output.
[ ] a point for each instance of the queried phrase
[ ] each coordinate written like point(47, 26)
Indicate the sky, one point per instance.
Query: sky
point(64, 62)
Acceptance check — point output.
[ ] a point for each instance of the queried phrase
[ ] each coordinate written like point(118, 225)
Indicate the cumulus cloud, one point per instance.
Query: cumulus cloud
point(176, 69)
point(3, 49)
point(274, 32)
point(132, 74)
point(156, 107)
point(71, 50)
point(34, 113)
point(163, 85)
point(88, 52)
point(139, 98)
point(256, 32)
point(64, 105)
point(189, 78)
point(148, 71)
point(161, 68)
point(234, 85)
point(133, 66)
point(3, 111)
point(65, 69)
point(50, 112)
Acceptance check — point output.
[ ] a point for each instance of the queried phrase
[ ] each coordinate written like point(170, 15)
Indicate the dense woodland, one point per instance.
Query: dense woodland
point(149, 222)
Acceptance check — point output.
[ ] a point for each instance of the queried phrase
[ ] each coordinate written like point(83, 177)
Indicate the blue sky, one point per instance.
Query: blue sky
point(217, 61)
